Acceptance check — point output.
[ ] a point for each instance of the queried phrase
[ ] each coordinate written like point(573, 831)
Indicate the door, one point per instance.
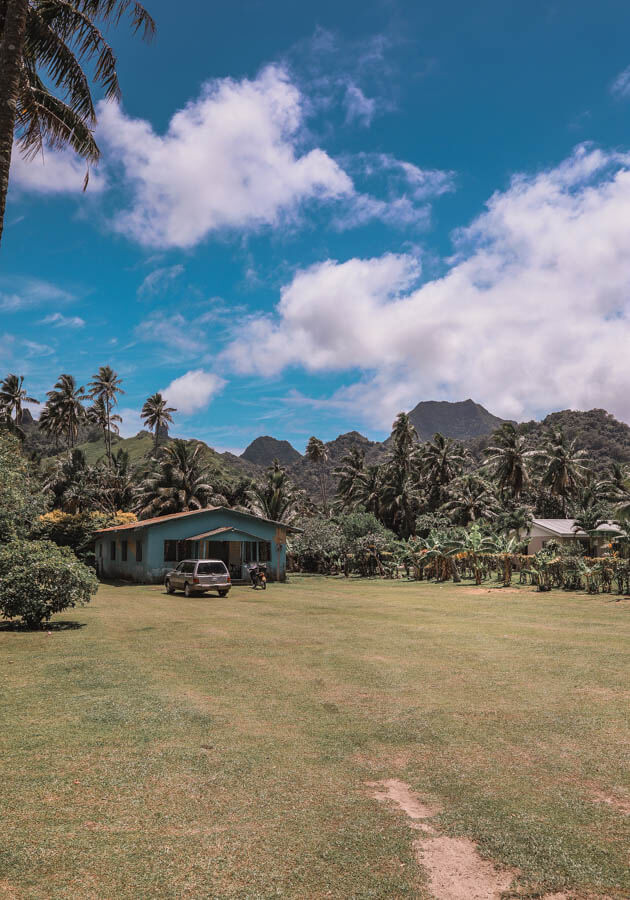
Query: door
point(177, 578)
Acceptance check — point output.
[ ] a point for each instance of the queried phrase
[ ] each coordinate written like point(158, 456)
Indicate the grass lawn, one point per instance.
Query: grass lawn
point(221, 747)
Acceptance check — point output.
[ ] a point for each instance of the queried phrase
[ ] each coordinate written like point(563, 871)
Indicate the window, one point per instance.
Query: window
point(211, 568)
point(264, 551)
point(180, 567)
point(188, 568)
point(138, 551)
point(124, 551)
point(112, 549)
point(100, 550)
point(251, 548)
point(170, 551)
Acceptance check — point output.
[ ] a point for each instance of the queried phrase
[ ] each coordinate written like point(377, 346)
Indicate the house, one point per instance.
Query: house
point(562, 530)
point(145, 550)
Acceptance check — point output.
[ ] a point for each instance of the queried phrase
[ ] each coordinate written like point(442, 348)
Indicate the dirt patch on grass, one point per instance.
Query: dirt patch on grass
point(492, 590)
point(454, 867)
point(621, 804)
point(401, 794)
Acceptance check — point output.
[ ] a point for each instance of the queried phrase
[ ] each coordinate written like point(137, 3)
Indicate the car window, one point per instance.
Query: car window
point(211, 568)
point(180, 567)
point(188, 568)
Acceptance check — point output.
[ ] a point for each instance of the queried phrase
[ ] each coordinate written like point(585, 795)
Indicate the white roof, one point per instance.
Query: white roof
point(564, 527)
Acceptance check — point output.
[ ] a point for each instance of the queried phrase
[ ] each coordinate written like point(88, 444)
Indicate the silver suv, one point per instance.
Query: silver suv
point(196, 576)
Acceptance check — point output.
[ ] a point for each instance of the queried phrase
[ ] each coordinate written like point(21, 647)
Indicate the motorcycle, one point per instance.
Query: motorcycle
point(258, 575)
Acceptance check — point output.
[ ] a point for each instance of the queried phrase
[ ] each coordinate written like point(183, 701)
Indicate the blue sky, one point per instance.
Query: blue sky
point(310, 216)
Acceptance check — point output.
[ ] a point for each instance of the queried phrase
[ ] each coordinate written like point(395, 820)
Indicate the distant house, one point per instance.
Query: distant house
point(144, 551)
point(562, 530)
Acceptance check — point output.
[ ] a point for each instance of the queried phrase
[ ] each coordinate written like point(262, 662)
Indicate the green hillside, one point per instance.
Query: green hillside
point(137, 447)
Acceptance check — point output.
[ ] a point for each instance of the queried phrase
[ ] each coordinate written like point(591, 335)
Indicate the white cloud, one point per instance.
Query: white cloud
point(532, 314)
point(131, 422)
point(359, 108)
point(53, 172)
point(24, 293)
point(162, 328)
point(396, 192)
point(57, 320)
point(621, 84)
point(230, 159)
point(32, 349)
point(193, 391)
point(159, 280)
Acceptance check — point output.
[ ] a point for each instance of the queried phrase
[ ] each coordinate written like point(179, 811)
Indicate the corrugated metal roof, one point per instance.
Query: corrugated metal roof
point(565, 527)
point(141, 523)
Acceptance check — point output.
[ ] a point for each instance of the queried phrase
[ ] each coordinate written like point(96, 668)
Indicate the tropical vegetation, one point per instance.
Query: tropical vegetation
point(47, 49)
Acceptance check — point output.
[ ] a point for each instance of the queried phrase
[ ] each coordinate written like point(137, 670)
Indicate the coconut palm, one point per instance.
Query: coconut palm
point(508, 457)
point(441, 460)
point(66, 408)
point(471, 498)
point(179, 484)
point(588, 519)
point(404, 443)
point(351, 478)
point(13, 395)
point(44, 45)
point(614, 486)
point(50, 421)
point(563, 466)
point(317, 452)
point(115, 484)
point(156, 415)
point(275, 497)
point(400, 500)
point(104, 388)
point(372, 490)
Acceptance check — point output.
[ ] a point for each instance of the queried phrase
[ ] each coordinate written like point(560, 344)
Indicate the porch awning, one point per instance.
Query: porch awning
point(227, 529)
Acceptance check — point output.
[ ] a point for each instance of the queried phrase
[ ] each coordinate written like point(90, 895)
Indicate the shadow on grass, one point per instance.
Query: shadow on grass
point(51, 626)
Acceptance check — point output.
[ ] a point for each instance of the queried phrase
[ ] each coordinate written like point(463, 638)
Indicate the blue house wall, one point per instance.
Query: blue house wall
point(147, 541)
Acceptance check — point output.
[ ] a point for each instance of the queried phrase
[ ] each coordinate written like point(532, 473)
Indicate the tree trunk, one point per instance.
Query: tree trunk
point(108, 436)
point(11, 49)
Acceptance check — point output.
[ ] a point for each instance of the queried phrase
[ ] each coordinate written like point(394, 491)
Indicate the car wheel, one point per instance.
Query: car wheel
point(187, 590)
point(169, 588)
point(223, 593)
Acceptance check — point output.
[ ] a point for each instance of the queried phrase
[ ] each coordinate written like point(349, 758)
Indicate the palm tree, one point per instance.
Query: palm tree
point(441, 460)
point(275, 497)
point(588, 519)
point(471, 499)
point(179, 484)
point(114, 487)
point(43, 46)
point(613, 487)
point(563, 467)
point(404, 438)
point(399, 500)
point(317, 452)
point(65, 399)
point(351, 477)
point(370, 490)
point(97, 415)
point(104, 387)
point(508, 456)
point(13, 395)
point(156, 415)
point(50, 421)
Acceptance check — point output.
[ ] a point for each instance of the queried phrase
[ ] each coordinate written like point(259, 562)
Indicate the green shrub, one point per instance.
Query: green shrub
point(39, 579)
point(22, 500)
